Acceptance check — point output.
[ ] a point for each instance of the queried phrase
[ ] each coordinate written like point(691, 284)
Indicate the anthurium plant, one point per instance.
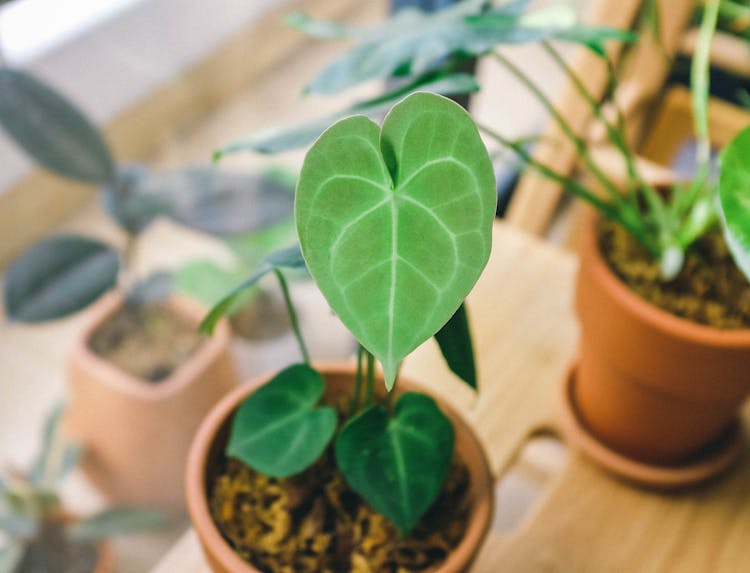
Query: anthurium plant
point(65, 273)
point(34, 520)
point(395, 227)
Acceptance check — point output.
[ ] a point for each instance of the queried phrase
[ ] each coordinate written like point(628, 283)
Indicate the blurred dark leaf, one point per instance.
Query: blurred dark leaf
point(455, 343)
point(51, 130)
point(59, 276)
point(206, 198)
point(289, 258)
point(279, 139)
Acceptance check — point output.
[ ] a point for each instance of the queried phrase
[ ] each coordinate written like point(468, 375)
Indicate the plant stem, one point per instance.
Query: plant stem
point(370, 378)
point(579, 144)
point(389, 397)
point(700, 80)
point(357, 382)
point(292, 315)
point(606, 209)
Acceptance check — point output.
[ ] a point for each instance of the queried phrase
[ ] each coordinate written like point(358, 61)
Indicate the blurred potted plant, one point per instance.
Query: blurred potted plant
point(41, 535)
point(329, 468)
point(138, 368)
point(673, 435)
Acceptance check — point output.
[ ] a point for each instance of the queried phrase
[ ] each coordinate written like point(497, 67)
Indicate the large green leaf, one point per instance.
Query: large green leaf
point(280, 429)
point(117, 521)
point(734, 193)
point(397, 464)
point(52, 130)
point(455, 343)
point(289, 258)
point(397, 226)
point(59, 276)
point(279, 139)
point(413, 42)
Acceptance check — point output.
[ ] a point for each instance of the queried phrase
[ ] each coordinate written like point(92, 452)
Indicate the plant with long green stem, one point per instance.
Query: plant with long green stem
point(368, 200)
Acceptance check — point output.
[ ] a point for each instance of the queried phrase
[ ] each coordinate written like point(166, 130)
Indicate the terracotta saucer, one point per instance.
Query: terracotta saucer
point(710, 463)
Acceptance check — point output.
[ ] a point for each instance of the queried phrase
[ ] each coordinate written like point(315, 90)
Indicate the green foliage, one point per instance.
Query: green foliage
point(290, 258)
point(59, 276)
point(734, 195)
point(397, 463)
point(115, 522)
point(56, 459)
point(19, 526)
point(280, 429)
point(396, 225)
point(455, 343)
point(413, 42)
point(52, 130)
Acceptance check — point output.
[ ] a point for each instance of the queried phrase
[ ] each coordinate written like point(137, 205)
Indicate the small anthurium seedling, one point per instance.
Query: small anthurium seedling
point(734, 195)
point(395, 225)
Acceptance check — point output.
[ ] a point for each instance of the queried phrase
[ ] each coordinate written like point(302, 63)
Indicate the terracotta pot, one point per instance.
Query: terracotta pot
point(651, 385)
point(136, 434)
point(212, 437)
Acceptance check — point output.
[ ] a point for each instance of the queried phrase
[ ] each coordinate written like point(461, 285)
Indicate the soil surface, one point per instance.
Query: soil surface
point(314, 523)
point(709, 290)
point(53, 552)
point(149, 341)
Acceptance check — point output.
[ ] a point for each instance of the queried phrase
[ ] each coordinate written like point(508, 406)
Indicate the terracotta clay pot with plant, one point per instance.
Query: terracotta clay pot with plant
point(139, 368)
point(335, 467)
point(41, 535)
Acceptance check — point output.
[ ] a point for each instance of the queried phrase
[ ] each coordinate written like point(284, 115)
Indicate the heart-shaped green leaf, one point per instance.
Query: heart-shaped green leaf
point(279, 430)
point(396, 227)
point(397, 464)
point(734, 192)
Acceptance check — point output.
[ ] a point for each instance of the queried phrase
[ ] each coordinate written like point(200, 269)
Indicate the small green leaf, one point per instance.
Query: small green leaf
point(290, 258)
point(10, 557)
point(397, 464)
point(115, 522)
point(59, 276)
point(455, 343)
point(279, 430)
point(396, 226)
point(56, 459)
point(21, 526)
point(279, 139)
point(52, 130)
point(734, 194)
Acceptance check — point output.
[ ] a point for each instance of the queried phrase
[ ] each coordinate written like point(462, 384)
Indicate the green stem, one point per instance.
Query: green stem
point(357, 382)
point(579, 144)
point(370, 378)
point(632, 224)
point(292, 315)
point(700, 80)
point(389, 397)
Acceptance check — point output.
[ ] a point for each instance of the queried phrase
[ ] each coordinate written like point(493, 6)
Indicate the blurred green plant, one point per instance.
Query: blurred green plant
point(32, 513)
point(63, 274)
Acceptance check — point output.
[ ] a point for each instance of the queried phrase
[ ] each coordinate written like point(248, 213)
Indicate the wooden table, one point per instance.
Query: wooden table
point(587, 520)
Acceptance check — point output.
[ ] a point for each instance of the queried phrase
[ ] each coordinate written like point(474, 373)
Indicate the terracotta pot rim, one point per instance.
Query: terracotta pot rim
point(657, 318)
point(127, 383)
point(195, 484)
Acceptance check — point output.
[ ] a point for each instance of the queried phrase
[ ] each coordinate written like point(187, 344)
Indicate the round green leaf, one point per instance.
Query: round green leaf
point(52, 130)
point(279, 430)
point(396, 227)
point(734, 192)
point(397, 464)
point(59, 276)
